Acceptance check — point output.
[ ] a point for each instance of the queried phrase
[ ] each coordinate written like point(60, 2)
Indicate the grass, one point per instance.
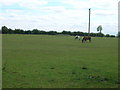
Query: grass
point(45, 61)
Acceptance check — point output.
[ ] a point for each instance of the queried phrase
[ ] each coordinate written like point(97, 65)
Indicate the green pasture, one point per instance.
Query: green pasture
point(57, 61)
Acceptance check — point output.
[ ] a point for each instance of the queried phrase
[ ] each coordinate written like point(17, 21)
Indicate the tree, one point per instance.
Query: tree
point(35, 31)
point(4, 30)
point(42, 32)
point(27, 32)
point(52, 33)
point(99, 28)
point(107, 35)
point(18, 31)
point(112, 35)
point(66, 32)
point(10, 31)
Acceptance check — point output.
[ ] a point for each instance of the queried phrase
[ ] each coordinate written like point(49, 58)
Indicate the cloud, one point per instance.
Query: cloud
point(74, 17)
point(54, 9)
point(32, 4)
point(91, 3)
point(98, 7)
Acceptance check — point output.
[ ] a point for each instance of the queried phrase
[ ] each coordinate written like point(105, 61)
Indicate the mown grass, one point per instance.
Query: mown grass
point(44, 61)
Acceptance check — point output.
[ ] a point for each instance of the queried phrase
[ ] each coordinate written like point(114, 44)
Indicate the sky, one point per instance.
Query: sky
point(59, 15)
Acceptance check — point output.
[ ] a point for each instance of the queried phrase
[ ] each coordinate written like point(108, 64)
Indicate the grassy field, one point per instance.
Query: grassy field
point(44, 61)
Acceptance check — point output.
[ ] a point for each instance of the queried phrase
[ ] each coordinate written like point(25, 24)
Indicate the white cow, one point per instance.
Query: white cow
point(77, 37)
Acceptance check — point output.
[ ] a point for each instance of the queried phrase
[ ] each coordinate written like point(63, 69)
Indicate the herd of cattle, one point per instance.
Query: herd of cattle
point(84, 39)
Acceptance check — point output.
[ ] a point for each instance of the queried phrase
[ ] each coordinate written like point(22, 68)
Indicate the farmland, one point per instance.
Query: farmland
point(56, 61)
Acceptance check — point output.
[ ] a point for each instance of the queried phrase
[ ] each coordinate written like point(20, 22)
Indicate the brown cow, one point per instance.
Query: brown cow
point(85, 38)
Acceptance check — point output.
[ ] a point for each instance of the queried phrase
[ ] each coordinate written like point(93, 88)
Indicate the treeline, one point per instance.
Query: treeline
point(5, 30)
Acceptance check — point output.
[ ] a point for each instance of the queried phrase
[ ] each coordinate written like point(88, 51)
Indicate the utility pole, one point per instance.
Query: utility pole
point(89, 22)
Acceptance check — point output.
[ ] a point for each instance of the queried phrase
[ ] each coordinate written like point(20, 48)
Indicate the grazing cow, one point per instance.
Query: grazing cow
point(77, 37)
point(85, 38)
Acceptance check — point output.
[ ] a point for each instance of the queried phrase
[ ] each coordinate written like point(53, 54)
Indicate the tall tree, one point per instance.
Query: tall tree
point(99, 28)
point(4, 30)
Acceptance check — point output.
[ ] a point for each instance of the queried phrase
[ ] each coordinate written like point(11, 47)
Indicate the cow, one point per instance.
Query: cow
point(77, 37)
point(85, 38)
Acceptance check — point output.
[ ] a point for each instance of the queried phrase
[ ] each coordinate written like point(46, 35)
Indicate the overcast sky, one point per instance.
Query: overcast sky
point(59, 15)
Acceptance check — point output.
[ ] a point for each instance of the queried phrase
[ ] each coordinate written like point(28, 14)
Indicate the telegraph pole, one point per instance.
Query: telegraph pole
point(89, 22)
